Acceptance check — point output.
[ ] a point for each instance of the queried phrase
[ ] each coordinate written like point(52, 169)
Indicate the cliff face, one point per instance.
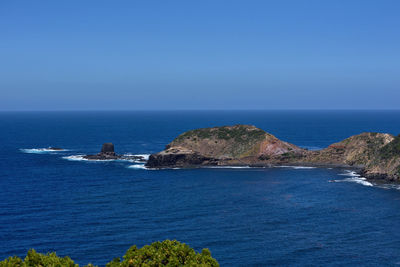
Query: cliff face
point(377, 154)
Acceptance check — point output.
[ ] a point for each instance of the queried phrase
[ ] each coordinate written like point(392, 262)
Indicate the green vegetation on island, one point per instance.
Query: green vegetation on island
point(240, 133)
point(166, 253)
point(227, 142)
point(392, 149)
point(375, 155)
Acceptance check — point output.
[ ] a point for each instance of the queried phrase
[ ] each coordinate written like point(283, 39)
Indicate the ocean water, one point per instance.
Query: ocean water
point(94, 211)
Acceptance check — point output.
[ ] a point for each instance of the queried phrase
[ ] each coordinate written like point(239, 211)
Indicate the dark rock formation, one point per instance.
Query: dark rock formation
point(107, 148)
point(178, 157)
point(107, 153)
point(376, 155)
point(55, 149)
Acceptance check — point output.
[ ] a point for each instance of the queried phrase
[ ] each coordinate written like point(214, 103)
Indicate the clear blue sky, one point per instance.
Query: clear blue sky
point(79, 55)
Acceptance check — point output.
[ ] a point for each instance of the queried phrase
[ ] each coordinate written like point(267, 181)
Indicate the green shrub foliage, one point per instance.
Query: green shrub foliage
point(37, 259)
point(392, 149)
point(166, 253)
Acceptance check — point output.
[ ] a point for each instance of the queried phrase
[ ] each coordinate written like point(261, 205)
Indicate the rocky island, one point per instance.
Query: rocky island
point(375, 155)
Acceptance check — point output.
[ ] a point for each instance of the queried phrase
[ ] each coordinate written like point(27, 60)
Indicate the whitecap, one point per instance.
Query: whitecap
point(127, 159)
point(350, 173)
point(389, 186)
point(358, 180)
point(144, 156)
point(132, 160)
point(41, 150)
point(354, 177)
point(81, 158)
point(75, 158)
point(138, 166)
point(296, 167)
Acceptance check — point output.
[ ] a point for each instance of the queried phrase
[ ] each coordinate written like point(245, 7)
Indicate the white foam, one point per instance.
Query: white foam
point(358, 180)
point(81, 158)
point(143, 167)
point(144, 156)
point(296, 167)
point(132, 160)
point(389, 186)
point(229, 167)
point(353, 178)
point(138, 166)
point(75, 158)
point(350, 173)
point(40, 150)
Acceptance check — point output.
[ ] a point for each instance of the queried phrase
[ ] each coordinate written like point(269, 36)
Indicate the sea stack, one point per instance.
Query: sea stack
point(108, 148)
point(106, 153)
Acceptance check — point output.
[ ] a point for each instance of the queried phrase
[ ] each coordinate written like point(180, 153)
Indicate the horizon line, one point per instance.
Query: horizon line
point(199, 110)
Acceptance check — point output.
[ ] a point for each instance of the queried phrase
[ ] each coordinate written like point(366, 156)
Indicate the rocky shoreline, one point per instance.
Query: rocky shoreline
point(373, 155)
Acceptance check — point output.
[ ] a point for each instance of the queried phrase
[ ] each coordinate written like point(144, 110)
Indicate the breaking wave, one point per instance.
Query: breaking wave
point(41, 150)
point(296, 167)
point(144, 156)
point(389, 186)
point(81, 158)
point(138, 166)
point(127, 159)
point(353, 177)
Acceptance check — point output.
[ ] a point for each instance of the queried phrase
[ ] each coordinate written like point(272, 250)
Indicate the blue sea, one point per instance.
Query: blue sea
point(94, 211)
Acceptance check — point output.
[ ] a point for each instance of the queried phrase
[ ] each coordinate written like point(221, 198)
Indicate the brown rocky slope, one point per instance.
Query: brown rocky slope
point(377, 155)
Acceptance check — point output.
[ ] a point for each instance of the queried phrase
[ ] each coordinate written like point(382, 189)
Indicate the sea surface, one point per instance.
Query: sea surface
point(94, 211)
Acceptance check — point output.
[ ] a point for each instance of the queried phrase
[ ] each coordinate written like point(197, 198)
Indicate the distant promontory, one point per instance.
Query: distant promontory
point(376, 155)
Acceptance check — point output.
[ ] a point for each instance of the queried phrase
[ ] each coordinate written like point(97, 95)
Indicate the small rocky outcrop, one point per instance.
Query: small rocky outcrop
point(107, 153)
point(55, 149)
point(376, 155)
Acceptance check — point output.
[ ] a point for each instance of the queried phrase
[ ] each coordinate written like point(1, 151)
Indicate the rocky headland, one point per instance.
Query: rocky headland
point(375, 155)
